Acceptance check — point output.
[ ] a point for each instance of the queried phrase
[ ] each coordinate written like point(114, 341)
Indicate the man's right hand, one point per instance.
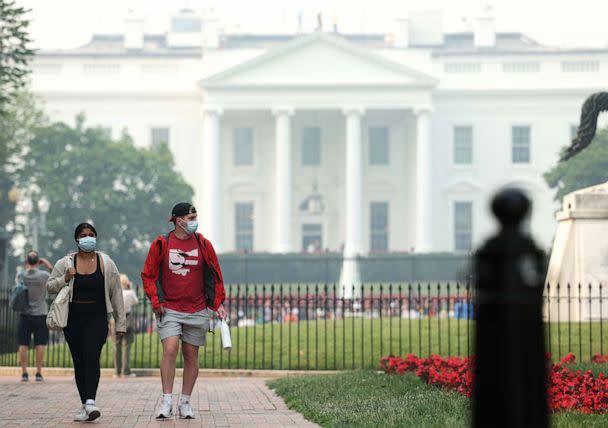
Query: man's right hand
point(160, 310)
point(44, 262)
point(71, 272)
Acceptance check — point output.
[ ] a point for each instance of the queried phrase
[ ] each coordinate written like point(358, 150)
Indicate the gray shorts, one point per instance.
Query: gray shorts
point(192, 327)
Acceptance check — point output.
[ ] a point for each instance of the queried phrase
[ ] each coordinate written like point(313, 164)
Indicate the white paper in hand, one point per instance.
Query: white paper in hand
point(225, 331)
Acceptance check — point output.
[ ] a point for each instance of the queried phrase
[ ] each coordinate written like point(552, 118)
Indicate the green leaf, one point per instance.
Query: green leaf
point(588, 168)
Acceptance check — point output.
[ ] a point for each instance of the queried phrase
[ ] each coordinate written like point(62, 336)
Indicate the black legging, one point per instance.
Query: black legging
point(86, 334)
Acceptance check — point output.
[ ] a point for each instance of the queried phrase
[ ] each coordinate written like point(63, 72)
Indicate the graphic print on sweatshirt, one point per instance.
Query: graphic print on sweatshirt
point(180, 261)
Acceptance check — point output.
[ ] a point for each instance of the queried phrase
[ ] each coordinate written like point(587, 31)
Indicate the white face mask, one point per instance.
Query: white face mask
point(189, 226)
point(87, 244)
point(192, 226)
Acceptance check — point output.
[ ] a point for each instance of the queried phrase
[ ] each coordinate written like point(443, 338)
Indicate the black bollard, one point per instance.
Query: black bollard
point(509, 385)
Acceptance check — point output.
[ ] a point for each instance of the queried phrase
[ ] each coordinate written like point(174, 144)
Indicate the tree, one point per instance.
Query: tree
point(15, 52)
point(15, 55)
point(17, 127)
point(125, 191)
point(587, 168)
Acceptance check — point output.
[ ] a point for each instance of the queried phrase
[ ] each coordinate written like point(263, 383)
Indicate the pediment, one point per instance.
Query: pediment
point(318, 60)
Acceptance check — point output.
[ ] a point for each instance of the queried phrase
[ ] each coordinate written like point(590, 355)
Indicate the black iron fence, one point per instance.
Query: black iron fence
point(328, 327)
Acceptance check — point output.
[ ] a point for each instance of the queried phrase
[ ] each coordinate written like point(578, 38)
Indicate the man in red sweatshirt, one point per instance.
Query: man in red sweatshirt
point(183, 280)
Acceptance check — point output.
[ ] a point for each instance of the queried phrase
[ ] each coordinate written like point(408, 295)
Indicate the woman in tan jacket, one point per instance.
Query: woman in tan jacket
point(95, 293)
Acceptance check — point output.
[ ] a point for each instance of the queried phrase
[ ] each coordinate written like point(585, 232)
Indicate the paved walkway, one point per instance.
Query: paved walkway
point(219, 402)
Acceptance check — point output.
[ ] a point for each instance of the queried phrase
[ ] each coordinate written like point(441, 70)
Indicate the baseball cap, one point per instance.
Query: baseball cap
point(181, 209)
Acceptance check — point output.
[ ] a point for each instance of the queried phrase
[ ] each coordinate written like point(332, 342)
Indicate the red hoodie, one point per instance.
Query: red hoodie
point(199, 265)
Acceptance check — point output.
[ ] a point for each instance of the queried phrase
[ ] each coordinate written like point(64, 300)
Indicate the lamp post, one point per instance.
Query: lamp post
point(313, 204)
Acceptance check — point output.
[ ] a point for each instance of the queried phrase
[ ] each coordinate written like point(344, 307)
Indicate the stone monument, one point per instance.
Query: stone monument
point(579, 258)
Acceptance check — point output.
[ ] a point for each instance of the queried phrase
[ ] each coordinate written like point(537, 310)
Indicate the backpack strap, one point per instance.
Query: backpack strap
point(200, 245)
point(160, 243)
point(159, 279)
point(209, 275)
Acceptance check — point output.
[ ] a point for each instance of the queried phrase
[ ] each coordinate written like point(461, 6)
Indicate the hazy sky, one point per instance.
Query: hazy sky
point(68, 23)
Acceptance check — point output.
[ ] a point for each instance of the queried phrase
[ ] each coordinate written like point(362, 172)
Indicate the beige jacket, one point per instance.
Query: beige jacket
point(113, 290)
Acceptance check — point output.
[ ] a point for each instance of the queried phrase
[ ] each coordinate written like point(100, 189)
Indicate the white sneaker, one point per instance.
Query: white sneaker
point(92, 412)
point(81, 416)
point(165, 411)
point(185, 411)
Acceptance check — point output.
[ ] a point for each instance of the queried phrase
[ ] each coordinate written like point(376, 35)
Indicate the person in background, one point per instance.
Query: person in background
point(122, 350)
point(33, 321)
point(96, 294)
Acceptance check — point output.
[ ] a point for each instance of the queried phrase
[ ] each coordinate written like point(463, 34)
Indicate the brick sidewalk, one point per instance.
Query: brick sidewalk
point(219, 402)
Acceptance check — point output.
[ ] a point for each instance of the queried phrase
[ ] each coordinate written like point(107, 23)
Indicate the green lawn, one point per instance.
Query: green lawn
point(353, 343)
point(369, 399)
point(322, 345)
point(582, 339)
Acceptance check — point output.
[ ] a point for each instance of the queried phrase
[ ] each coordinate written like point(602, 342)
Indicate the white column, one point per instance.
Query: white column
point(282, 239)
point(354, 183)
point(423, 181)
point(211, 210)
point(353, 211)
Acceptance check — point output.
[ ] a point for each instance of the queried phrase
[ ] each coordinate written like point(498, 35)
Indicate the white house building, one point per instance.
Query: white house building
point(361, 142)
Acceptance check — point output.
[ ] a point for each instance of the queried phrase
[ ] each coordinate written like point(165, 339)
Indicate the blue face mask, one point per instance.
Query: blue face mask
point(87, 244)
point(192, 226)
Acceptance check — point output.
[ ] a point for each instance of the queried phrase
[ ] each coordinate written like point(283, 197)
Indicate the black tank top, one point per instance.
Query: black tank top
point(89, 288)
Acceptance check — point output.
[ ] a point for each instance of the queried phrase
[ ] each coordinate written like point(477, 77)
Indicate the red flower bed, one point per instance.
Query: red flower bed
point(600, 359)
point(567, 391)
point(453, 374)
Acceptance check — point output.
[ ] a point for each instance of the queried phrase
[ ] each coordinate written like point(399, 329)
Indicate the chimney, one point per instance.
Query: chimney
point(402, 33)
point(425, 28)
point(185, 30)
point(484, 32)
point(134, 31)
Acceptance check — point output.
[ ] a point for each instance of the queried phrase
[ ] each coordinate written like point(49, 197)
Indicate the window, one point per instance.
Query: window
point(463, 226)
point(462, 67)
point(312, 237)
point(243, 146)
point(463, 145)
point(379, 226)
point(520, 150)
point(101, 68)
point(244, 226)
point(378, 146)
point(186, 24)
point(159, 136)
point(521, 67)
point(311, 146)
point(580, 66)
point(47, 68)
